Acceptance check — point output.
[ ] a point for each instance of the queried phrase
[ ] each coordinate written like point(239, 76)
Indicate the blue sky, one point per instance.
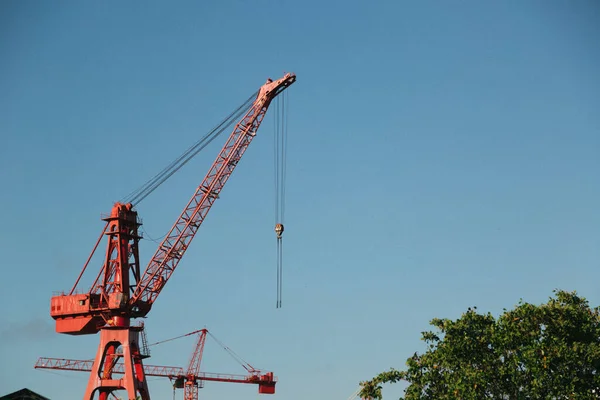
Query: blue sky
point(441, 155)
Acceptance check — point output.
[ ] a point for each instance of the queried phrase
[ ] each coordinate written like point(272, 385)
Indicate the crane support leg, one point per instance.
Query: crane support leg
point(116, 342)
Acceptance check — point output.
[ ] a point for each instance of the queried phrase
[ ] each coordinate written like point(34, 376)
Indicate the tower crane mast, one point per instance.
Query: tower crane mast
point(121, 291)
point(194, 379)
point(190, 391)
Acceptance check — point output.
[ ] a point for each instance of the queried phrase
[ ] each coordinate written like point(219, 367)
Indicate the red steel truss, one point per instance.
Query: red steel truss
point(190, 385)
point(86, 365)
point(157, 370)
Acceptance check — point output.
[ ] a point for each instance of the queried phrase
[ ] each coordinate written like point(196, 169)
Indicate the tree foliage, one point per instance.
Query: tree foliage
point(550, 351)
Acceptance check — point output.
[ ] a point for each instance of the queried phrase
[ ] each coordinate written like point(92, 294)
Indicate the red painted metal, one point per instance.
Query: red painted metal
point(120, 292)
point(190, 389)
point(106, 303)
point(101, 377)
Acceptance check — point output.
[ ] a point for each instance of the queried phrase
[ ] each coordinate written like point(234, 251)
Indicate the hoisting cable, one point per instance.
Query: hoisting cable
point(236, 357)
point(143, 191)
point(140, 194)
point(163, 341)
point(240, 360)
point(280, 152)
point(148, 237)
point(174, 338)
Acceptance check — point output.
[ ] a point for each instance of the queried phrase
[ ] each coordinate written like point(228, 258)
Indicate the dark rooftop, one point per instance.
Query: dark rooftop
point(23, 394)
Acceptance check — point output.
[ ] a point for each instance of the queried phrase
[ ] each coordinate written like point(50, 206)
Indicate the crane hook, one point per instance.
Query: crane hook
point(278, 230)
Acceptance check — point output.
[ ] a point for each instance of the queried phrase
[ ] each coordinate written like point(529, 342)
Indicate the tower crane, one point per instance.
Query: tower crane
point(193, 378)
point(123, 291)
point(190, 379)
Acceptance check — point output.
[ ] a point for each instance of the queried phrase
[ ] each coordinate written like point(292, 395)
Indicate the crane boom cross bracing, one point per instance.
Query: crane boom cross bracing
point(120, 292)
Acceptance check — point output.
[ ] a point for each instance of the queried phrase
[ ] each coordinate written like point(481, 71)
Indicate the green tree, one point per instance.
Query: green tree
point(548, 351)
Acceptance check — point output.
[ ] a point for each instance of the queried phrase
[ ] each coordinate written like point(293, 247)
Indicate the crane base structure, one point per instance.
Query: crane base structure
point(127, 340)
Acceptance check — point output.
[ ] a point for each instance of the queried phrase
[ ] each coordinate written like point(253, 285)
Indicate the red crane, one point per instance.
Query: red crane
point(193, 378)
point(121, 291)
point(190, 380)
